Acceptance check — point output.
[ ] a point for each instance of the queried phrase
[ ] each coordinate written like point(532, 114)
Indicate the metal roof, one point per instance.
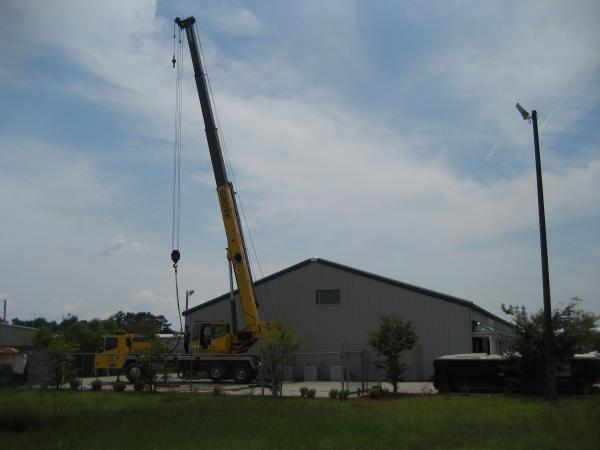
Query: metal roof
point(361, 273)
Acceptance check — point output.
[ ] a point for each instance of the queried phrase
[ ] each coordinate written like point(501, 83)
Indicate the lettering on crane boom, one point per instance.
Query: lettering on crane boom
point(225, 207)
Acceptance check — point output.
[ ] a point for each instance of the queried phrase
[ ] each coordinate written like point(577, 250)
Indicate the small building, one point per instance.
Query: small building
point(332, 307)
point(16, 335)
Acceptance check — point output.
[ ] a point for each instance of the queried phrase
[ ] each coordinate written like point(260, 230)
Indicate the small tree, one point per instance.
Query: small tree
point(154, 364)
point(277, 349)
point(392, 339)
point(573, 333)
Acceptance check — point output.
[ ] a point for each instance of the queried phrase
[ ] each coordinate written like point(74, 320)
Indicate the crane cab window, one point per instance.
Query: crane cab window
point(219, 330)
point(328, 296)
point(110, 343)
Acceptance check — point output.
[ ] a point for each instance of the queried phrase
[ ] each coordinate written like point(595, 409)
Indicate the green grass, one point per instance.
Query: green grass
point(107, 420)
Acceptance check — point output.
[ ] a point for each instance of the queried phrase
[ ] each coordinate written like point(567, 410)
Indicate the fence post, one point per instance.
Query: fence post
point(262, 379)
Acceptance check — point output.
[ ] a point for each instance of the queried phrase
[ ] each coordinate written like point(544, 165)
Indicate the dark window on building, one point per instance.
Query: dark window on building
point(328, 296)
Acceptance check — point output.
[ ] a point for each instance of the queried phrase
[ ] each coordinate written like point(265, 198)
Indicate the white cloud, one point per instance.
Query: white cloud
point(119, 244)
point(236, 20)
point(542, 54)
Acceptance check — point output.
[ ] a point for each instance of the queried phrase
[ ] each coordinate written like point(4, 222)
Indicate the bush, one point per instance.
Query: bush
point(303, 392)
point(385, 392)
point(393, 337)
point(96, 384)
point(217, 390)
point(343, 394)
point(119, 386)
point(311, 393)
point(375, 392)
point(75, 383)
point(139, 385)
point(333, 393)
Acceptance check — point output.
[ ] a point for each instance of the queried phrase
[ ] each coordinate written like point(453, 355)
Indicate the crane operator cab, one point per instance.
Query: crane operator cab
point(211, 337)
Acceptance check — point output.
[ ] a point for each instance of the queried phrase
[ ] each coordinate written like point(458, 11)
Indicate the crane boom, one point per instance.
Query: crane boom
point(236, 249)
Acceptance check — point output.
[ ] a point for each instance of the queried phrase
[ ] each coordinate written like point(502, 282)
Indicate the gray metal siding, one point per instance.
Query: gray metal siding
point(443, 327)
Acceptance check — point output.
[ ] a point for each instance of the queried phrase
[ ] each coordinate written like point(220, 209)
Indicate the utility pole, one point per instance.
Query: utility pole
point(548, 332)
point(4, 316)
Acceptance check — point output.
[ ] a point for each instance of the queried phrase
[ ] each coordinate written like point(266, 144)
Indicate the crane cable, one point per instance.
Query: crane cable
point(175, 230)
point(230, 170)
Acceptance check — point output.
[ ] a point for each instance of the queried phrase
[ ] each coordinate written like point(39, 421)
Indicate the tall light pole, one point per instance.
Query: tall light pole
point(548, 332)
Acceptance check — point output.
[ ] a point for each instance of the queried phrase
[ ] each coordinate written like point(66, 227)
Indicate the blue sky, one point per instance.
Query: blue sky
point(381, 135)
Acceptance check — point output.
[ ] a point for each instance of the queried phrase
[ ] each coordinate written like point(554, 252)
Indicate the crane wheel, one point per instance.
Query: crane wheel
point(133, 372)
point(217, 372)
point(242, 373)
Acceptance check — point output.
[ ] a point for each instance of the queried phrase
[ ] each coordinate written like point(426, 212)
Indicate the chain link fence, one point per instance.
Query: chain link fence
point(353, 370)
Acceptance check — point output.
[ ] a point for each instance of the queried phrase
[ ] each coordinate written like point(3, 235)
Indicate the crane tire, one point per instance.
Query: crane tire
point(133, 372)
point(242, 373)
point(217, 372)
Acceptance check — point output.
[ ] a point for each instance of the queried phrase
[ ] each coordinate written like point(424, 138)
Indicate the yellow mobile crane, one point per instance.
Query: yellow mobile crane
point(217, 346)
point(223, 337)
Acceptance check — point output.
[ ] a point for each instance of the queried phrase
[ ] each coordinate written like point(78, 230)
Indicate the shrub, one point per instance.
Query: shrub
point(96, 384)
point(277, 349)
point(75, 383)
point(217, 390)
point(375, 392)
point(311, 393)
point(385, 392)
point(333, 393)
point(393, 337)
point(119, 386)
point(303, 392)
point(343, 394)
point(139, 385)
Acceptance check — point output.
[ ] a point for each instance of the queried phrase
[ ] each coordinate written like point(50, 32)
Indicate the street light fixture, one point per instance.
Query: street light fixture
point(548, 332)
point(188, 294)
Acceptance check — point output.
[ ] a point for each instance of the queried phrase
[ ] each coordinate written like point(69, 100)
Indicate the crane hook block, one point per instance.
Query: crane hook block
point(173, 60)
point(175, 255)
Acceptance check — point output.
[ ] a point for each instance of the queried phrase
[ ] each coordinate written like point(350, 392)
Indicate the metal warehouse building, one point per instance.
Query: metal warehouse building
point(331, 307)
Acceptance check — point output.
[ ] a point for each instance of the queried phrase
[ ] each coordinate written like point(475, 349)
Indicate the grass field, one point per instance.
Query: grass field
point(106, 420)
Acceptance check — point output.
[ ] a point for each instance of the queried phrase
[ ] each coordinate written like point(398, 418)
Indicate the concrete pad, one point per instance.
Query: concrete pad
point(290, 389)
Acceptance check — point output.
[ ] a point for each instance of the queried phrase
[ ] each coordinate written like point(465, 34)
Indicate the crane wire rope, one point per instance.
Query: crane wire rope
point(175, 230)
point(233, 179)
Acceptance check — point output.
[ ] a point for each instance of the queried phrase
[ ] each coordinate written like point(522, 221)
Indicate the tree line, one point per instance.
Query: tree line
point(73, 334)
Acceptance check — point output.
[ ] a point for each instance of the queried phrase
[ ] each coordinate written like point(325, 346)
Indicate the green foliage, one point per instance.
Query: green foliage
point(303, 391)
point(154, 364)
point(333, 393)
point(146, 422)
point(217, 390)
point(75, 384)
point(277, 349)
point(393, 337)
point(573, 332)
point(39, 322)
point(311, 393)
point(343, 394)
point(62, 362)
point(78, 335)
point(143, 323)
point(119, 386)
point(96, 384)
point(375, 392)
